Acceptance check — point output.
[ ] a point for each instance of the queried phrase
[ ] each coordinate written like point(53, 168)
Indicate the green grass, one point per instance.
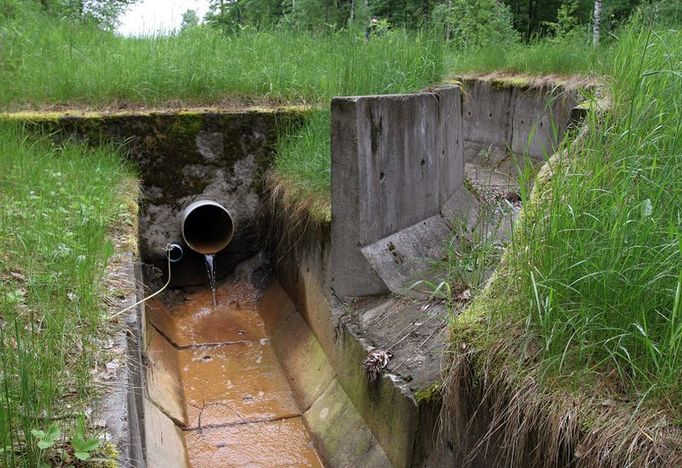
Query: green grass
point(601, 262)
point(571, 55)
point(48, 62)
point(45, 63)
point(58, 205)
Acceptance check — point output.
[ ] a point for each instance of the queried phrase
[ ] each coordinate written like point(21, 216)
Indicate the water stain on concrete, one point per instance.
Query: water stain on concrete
point(224, 386)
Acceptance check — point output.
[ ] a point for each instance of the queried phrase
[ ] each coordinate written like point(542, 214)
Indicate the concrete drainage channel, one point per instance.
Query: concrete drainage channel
point(272, 373)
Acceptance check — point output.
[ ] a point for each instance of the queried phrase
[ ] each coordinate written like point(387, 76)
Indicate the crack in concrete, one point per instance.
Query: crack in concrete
point(205, 345)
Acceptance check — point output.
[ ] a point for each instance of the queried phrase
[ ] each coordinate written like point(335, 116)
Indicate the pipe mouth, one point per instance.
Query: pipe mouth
point(207, 227)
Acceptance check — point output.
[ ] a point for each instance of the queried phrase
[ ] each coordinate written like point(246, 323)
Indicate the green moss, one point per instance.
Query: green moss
point(109, 455)
point(185, 127)
point(510, 82)
point(429, 392)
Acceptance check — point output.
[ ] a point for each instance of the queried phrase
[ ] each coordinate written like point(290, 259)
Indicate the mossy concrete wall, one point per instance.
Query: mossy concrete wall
point(182, 157)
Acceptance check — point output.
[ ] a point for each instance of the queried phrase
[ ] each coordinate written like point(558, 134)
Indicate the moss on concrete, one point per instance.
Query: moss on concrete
point(428, 393)
point(163, 142)
point(510, 82)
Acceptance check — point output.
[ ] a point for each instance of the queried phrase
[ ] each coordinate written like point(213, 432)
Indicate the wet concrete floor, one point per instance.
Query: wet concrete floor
point(234, 403)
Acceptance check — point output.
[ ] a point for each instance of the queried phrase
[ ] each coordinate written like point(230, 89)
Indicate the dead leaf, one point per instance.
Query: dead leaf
point(580, 451)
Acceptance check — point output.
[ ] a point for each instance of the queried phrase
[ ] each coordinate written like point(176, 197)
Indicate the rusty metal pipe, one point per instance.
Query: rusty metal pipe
point(207, 227)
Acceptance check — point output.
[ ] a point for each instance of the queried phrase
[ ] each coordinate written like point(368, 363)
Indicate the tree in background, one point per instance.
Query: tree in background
point(567, 23)
point(104, 13)
point(463, 21)
point(475, 23)
point(190, 19)
point(596, 22)
point(315, 15)
point(231, 15)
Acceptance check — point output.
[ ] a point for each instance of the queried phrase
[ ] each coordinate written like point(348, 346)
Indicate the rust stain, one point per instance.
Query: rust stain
point(190, 319)
point(266, 444)
point(238, 408)
point(235, 383)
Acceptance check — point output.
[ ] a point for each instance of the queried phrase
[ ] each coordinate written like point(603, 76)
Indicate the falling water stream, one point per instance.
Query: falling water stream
point(210, 268)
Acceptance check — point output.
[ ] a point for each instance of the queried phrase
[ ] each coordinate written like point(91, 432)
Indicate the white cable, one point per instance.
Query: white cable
point(168, 256)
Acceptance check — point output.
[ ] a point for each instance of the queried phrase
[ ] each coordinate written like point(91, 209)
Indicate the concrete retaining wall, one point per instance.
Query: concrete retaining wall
point(397, 186)
point(515, 116)
point(396, 161)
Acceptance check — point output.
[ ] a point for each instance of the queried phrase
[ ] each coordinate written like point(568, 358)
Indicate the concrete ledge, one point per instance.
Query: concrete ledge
point(304, 362)
point(165, 443)
point(402, 258)
point(163, 386)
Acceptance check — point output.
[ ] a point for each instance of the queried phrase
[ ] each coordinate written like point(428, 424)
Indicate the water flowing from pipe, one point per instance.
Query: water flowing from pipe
point(210, 268)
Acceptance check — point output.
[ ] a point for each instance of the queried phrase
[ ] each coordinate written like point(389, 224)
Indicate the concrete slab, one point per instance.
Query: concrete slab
point(341, 433)
point(274, 443)
point(388, 152)
point(541, 117)
point(274, 308)
point(402, 259)
point(488, 112)
point(352, 274)
point(451, 142)
point(312, 294)
point(521, 118)
point(191, 323)
point(304, 362)
point(164, 441)
point(235, 383)
point(163, 385)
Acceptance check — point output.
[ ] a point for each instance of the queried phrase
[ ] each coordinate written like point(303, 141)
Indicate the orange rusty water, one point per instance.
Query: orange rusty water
point(237, 407)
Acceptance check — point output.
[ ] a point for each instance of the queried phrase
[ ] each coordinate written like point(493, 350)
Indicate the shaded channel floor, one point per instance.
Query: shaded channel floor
point(216, 375)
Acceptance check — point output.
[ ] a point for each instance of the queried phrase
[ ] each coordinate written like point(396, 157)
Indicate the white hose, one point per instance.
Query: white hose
point(168, 256)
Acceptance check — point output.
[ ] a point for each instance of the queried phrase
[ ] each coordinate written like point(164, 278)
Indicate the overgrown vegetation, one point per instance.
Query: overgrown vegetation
point(602, 266)
point(58, 206)
point(573, 349)
point(50, 62)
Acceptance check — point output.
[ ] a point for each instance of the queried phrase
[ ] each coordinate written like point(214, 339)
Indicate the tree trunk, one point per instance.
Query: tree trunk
point(529, 31)
point(352, 12)
point(596, 28)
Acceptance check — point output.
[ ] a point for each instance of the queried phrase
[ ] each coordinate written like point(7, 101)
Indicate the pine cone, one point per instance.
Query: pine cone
point(376, 360)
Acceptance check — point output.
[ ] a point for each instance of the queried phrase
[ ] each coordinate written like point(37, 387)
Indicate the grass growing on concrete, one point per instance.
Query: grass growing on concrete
point(58, 204)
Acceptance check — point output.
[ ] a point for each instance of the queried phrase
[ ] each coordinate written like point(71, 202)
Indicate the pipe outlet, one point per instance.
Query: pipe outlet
point(207, 227)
